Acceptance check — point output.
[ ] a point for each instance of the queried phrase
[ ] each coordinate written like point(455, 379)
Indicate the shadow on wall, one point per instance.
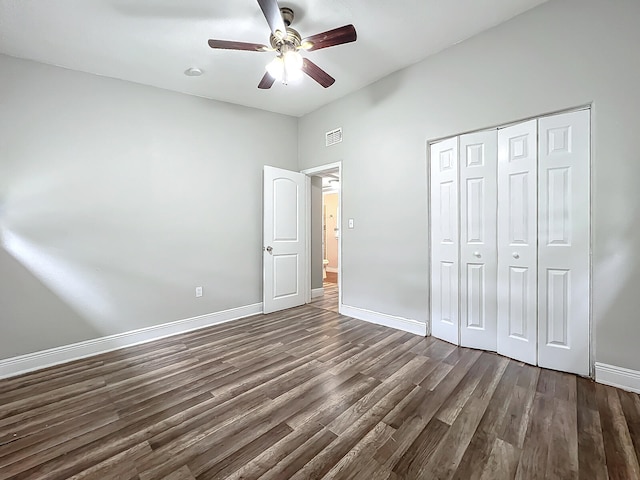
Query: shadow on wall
point(379, 91)
point(30, 309)
point(74, 288)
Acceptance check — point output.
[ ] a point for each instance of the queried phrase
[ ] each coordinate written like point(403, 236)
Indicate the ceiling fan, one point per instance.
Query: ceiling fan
point(288, 65)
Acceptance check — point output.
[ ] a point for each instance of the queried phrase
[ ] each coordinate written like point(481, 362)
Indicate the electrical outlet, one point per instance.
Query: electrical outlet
point(351, 223)
point(198, 291)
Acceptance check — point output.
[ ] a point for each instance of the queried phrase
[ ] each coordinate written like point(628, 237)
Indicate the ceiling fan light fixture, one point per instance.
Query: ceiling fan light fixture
point(292, 61)
point(287, 67)
point(293, 76)
point(276, 68)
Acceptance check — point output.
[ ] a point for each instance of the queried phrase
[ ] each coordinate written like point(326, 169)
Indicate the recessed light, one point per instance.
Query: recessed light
point(193, 72)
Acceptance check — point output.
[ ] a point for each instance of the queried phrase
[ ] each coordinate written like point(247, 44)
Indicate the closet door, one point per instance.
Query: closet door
point(517, 241)
point(444, 240)
point(563, 254)
point(478, 255)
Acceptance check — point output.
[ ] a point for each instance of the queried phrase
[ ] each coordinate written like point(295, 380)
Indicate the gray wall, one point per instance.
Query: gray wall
point(117, 200)
point(316, 232)
point(563, 54)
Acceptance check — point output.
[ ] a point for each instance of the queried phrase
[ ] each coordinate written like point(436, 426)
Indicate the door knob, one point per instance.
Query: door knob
point(270, 249)
point(516, 255)
point(477, 254)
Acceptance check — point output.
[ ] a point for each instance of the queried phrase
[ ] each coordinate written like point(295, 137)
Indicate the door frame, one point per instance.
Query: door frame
point(310, 172)
point(593, 152)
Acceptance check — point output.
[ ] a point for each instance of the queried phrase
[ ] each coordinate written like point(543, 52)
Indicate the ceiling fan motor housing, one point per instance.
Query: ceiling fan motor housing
point(292, 39)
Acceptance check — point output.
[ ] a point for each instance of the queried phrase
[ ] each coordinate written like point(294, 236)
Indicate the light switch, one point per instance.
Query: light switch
point(351, 223)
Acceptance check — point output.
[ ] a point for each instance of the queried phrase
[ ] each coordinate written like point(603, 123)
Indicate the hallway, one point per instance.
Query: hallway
point(330, 299)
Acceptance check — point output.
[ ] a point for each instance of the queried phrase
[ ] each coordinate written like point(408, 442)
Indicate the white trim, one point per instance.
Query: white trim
point(307, 244)
point(341, 236)
point(619, 377)
point(499, 126)
point(322, 168)
point(399, 323)
point(54, 356)
point(331, 269)
point(317, 292)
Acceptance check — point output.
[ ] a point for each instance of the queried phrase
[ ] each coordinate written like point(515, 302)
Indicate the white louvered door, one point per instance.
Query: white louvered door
point(478, 254)
point(444, 240)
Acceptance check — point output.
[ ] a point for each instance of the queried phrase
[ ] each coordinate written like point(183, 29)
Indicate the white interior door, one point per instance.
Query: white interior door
point(517, 241)
point(284, 254)
point(563, 253)
point(478, 255)
point(444, 240)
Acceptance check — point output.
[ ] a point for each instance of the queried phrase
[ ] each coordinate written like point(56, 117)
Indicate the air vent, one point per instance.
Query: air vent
point(333, 137)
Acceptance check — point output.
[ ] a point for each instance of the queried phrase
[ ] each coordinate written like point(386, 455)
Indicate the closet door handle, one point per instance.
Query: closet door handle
point(516, 255)
point(477, 254)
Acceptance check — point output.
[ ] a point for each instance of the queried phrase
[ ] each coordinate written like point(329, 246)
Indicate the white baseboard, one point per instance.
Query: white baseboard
point(54, 356)
point(399, 323)
point(618, 377)
point(331, 269)
point(317, 292)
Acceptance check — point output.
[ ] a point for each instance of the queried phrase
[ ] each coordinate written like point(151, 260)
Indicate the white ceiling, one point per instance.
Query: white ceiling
point(154, 41)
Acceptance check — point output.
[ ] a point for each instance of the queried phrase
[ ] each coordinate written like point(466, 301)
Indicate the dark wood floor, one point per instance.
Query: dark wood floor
point(306, 394)
point(329, 301)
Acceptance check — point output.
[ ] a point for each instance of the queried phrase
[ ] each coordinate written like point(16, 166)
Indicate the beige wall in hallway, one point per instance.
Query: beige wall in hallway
point(331, 220)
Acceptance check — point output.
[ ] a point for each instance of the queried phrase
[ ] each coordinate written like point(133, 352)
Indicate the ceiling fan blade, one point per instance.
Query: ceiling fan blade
point(315, 72)
point(337, 36)
point(266, 82)
point(272, 13)
point(231, 45)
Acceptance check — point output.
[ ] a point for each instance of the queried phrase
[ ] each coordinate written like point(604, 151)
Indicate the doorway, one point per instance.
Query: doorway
point(325, 228)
